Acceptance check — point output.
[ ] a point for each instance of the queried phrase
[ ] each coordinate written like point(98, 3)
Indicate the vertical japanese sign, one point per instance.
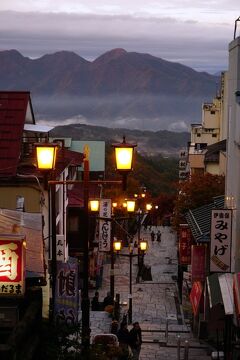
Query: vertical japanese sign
point(105, 225)
point(60, 248)
point(66, 309)
point(221, 233)
point(12, 265)
point(198, 263)
point(185, 242)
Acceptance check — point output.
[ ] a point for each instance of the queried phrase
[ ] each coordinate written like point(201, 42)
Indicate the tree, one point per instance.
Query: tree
point(195, 192)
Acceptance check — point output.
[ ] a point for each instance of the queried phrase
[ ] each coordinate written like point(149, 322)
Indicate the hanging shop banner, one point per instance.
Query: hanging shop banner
point(195, 296)
point(66, 304)
point(185, 242)
point(186, 289)
point(221, 229)
point(30, 225)
point(12, 265)
point(105, 225)
point(198, 263)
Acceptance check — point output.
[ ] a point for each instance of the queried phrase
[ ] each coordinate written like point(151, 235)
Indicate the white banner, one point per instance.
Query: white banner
point(221, 236)
point(104, 225)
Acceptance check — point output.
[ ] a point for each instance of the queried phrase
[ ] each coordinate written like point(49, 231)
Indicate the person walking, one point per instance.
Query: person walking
point(152, 236)
point(135, 335)
point(95, 302)
point(108, 300)
point(124, 341)
point(159, 236)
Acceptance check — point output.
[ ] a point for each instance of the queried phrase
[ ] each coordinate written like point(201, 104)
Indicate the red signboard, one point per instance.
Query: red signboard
point(198, 263)
point(12, 265)
point(195, 296)
point(185, 242)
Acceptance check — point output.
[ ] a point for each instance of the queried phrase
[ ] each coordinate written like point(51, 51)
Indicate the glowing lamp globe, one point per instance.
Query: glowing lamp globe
point(46, 155)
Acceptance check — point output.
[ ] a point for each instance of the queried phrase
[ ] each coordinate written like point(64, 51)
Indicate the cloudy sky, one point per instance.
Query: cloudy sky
point(193, 32)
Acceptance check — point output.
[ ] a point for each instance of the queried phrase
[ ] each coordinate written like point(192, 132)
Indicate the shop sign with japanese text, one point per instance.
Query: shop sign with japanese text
point(185, 242)
point(221, 229)
point(66, 309)
point(198, 262)
point(12, 265)
point(105, 210)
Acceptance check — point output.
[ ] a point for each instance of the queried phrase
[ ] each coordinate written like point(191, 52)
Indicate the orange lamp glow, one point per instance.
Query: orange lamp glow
point(130, 205)
point(117, 245)
point(94, 205)
point(143, 245)
point(46, 155)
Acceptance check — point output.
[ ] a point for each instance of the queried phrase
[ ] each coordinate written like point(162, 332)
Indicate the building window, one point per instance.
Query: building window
point(212, 112)
point(214, 135)
point(198, 135)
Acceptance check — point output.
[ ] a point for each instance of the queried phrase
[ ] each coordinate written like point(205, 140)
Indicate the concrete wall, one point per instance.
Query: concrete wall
point(233, 148)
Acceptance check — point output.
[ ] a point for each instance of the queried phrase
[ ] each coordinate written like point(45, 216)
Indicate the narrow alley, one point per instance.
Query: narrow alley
point(155, 303)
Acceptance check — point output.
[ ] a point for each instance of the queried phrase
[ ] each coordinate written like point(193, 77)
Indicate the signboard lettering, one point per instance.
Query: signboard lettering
point(221, 226)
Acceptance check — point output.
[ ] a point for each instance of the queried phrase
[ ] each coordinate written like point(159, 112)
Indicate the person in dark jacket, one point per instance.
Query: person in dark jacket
point(152, 236)
point(135, 336)
point(124, 340)
point(108, 300)
point(95, 302)
point(159, 235)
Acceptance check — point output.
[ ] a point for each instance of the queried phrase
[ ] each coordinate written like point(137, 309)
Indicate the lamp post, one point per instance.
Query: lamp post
point(143, 249)
point(46, 153)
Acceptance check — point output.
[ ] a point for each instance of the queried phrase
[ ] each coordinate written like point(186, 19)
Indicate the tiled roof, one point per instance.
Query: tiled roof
point(199, 219)
point(13, 112)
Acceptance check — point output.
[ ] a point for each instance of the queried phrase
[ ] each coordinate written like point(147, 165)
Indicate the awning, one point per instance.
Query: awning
point(226, 286)
point(195, 296)
point(214, 290)
point(220, 291)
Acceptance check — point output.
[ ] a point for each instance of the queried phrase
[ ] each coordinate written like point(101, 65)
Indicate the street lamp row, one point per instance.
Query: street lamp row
point(142, 246)
point(46, 159)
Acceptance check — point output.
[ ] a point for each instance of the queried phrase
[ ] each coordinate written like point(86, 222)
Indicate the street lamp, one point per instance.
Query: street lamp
point(124, 159)
point(46, 159)
point(130, 206)
point(143, 249)
point(94, 205)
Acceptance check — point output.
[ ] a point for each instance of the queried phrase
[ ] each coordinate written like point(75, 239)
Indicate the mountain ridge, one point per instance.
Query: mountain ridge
point(150, 143)
point(119, 88)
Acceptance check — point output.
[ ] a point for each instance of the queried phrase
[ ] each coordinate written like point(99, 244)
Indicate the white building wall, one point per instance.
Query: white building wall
point(233, 149)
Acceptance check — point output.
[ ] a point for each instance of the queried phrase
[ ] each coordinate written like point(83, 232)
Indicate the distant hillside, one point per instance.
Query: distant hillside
point(119, 88)
point(149, 143)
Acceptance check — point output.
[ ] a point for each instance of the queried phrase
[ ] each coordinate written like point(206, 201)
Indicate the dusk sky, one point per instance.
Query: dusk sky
point(195, 33)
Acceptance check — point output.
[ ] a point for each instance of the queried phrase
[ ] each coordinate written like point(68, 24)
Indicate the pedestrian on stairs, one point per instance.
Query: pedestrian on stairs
point(136, 340)
point(159, 236)
point(152, 236)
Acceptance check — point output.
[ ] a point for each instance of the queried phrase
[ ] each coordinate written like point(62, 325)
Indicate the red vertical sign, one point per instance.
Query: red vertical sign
point(198, 263)
point(195, 296)
point(12, 265)
point(185, 242)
